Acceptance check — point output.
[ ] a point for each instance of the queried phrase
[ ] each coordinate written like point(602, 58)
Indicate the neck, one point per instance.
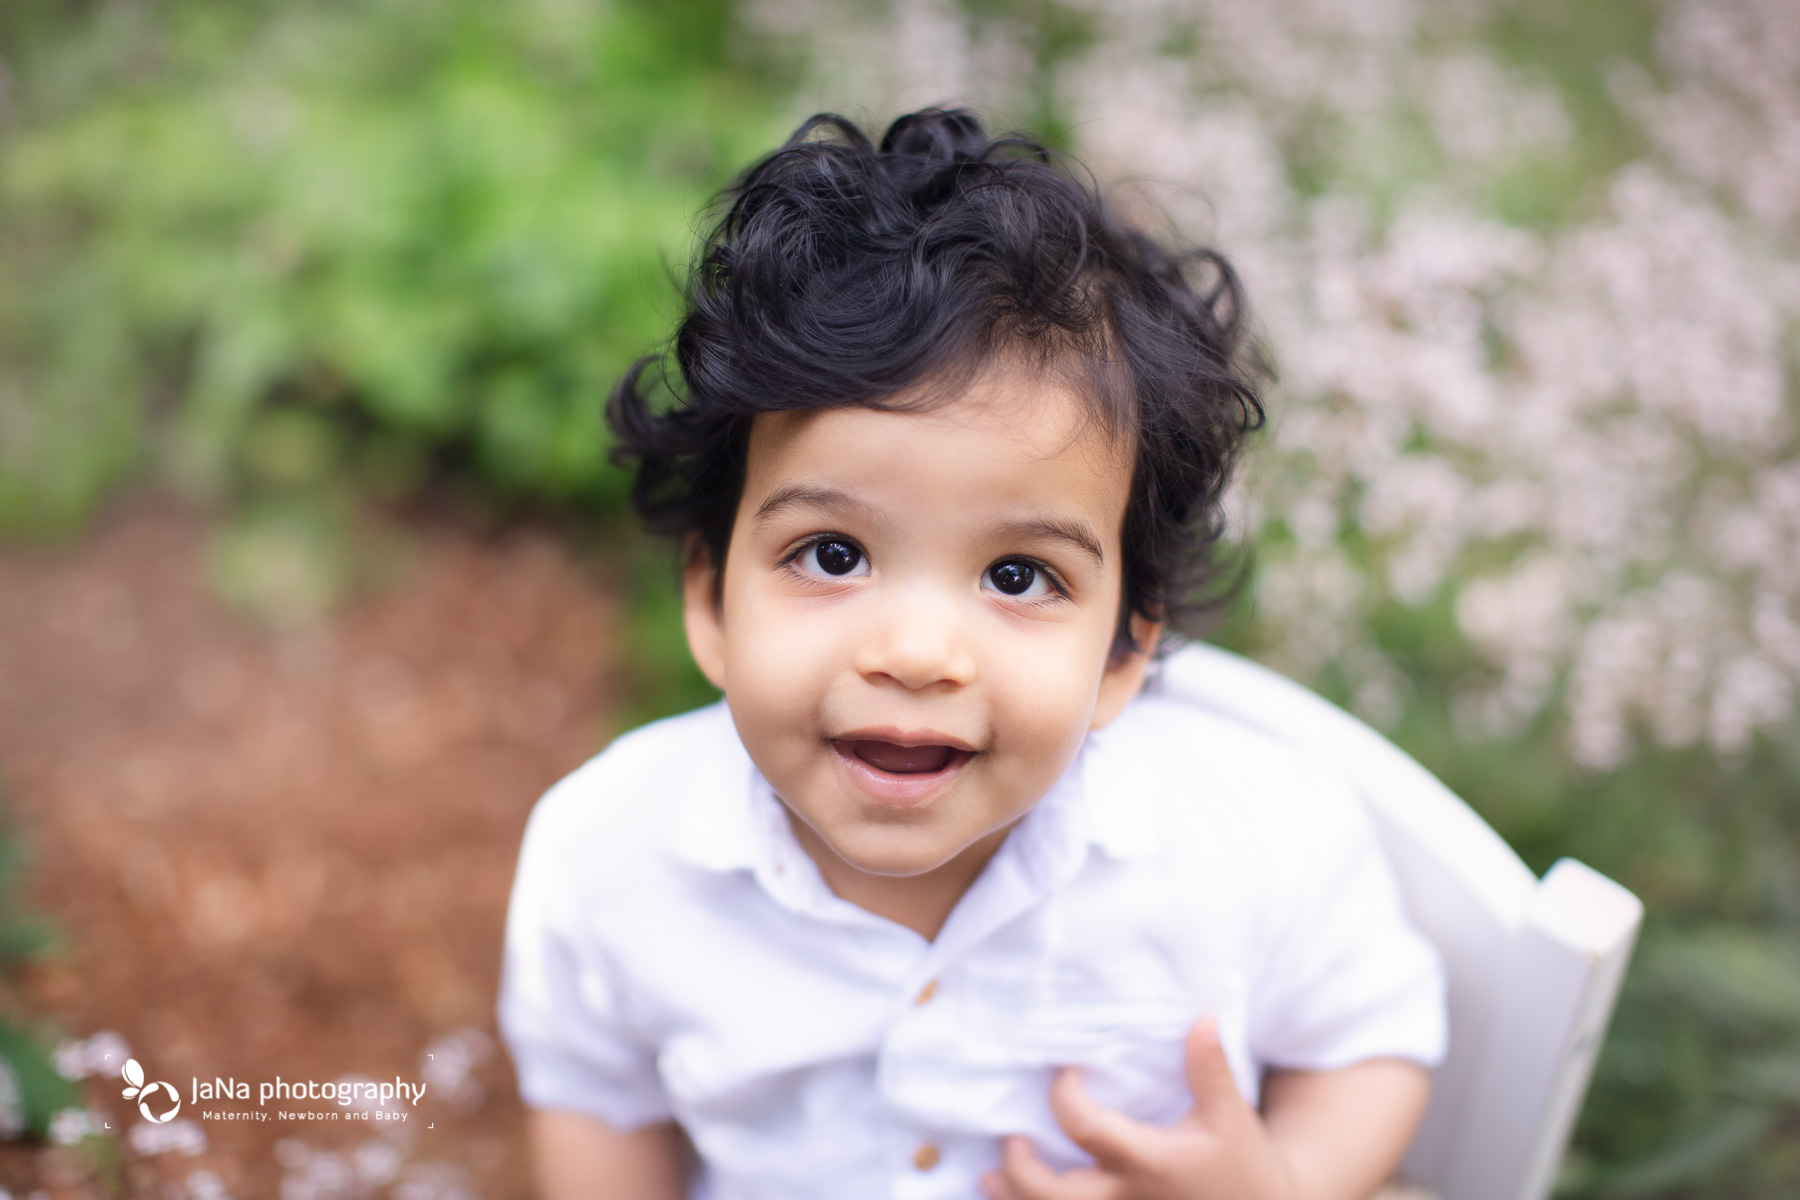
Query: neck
point(920, 902)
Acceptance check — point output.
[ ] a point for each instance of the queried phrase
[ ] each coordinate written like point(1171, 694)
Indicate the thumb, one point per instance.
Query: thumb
point(1113, 1138)
point(1208, 1073)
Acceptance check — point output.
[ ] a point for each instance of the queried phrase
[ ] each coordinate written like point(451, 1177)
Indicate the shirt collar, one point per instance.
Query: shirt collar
point(714, 825)
point(1119, 791)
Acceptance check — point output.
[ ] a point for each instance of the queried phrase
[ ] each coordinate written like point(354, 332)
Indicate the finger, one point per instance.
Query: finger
point(995, 1187)
point(1031, 1179)
point(1025, 1173)
point(1113, 1138)
point(1209, 1071)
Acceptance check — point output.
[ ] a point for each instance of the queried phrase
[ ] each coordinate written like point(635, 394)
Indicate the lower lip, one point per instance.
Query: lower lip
point(894, 790)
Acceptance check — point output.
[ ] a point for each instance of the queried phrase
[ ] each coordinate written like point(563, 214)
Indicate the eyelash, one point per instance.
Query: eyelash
point(1060, 591)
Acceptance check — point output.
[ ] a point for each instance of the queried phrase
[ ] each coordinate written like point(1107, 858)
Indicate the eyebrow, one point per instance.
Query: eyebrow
point(1076, 532)
point(800, 495)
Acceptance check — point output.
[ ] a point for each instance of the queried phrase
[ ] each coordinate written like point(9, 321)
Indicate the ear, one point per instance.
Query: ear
point(703, 615)
point(1124, 676)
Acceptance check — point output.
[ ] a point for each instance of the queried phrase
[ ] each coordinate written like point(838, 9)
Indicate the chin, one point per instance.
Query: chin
point(879, 856)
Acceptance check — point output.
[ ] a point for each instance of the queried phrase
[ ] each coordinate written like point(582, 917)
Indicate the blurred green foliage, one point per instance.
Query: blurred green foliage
point(659, 675)
point(37, 1092)
point(23, 936)
point(31, 1090)
point(1571, 46)
point(269, 250)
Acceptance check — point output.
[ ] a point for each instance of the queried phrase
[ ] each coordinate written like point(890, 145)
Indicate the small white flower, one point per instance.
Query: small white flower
point(377, 1163)
point(177, 1137)
point(204, 1185)
point(435, 1181)
point(69, 1126)
point(448, 1063)
point(322, 1176)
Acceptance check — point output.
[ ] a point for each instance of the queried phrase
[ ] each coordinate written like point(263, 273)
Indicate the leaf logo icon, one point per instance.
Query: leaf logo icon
point(134, 1075)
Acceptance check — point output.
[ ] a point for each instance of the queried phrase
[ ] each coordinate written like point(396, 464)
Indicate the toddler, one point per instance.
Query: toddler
point(942, 900)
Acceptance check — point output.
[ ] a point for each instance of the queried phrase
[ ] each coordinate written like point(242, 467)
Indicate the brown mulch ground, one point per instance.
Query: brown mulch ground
point(287, 853)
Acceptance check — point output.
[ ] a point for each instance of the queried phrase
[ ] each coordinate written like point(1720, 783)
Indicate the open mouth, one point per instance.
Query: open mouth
point(903, 760)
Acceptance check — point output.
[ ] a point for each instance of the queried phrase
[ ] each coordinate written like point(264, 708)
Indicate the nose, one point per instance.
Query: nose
point(919, 642)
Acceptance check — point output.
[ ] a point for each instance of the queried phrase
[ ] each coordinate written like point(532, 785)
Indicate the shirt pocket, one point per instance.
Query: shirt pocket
point(1129, 1052)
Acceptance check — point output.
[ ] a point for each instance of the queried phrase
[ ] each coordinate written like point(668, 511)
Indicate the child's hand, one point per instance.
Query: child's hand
point(1219, 1151)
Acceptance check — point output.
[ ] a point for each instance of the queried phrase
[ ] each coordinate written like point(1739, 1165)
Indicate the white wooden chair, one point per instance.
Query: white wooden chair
point(1533, 966)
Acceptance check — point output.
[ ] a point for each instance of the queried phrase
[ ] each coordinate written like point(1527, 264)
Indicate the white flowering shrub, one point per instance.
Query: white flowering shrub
point(1529, 496)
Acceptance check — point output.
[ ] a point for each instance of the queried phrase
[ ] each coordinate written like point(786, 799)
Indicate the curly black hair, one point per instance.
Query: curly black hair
point(842, 273)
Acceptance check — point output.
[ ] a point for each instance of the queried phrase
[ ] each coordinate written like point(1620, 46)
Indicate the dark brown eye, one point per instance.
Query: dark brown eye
point(1013, 578)
point(833, 558)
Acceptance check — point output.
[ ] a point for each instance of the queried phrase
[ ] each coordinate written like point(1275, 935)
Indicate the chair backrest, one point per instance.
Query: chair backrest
point(1533, 966)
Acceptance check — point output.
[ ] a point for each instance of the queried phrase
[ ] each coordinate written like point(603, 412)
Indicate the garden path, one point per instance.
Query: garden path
point(287, 852)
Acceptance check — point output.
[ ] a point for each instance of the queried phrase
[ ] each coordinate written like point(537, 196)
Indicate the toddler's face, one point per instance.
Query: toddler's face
point(917, 614)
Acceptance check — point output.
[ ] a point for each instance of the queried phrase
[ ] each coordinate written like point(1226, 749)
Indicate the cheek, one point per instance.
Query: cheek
point(774, 678)
point(1044, 691)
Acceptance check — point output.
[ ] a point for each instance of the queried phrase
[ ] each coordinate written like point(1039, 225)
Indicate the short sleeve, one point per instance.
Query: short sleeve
point(560, 1009)
point(1344, 977)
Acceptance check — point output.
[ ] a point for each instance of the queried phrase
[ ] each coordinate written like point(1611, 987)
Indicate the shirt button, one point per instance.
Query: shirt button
point(926, 1157)
point(926, 993)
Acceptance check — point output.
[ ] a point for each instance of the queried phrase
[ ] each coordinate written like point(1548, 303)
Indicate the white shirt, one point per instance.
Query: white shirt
point(671, 951)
